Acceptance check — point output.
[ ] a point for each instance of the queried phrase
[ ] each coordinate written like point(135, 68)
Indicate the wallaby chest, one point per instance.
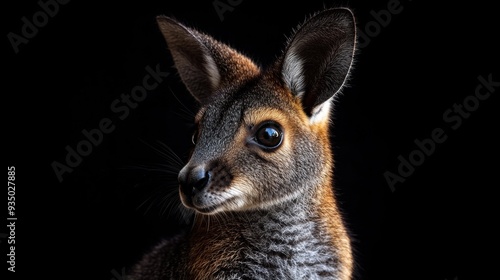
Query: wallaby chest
point(265, 246)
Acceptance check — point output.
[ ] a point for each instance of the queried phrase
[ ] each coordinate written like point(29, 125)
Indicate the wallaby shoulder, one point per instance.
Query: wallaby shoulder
point(163, 261)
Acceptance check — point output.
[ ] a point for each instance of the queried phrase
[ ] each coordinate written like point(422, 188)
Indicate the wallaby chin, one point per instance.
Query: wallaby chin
point(260, 173)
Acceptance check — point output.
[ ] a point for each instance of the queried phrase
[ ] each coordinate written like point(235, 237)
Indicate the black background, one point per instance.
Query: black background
point(437, 224)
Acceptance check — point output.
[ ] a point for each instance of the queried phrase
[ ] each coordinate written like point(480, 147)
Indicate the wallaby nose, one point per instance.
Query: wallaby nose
point(193, 180)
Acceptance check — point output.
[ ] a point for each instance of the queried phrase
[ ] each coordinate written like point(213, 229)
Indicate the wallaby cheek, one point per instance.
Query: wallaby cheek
point(271, 180)
point(310, 162)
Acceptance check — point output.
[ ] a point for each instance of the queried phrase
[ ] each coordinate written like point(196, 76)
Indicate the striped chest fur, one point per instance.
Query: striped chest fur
point(282, 244)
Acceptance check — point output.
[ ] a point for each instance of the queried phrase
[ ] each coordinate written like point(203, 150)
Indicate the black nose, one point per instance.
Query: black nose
point(193, 180)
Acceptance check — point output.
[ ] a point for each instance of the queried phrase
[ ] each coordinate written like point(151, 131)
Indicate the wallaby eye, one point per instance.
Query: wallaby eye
point(269, 135)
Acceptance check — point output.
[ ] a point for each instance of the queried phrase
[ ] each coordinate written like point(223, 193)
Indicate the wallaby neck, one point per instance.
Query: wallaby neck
point(298, 211)
point(296, 239)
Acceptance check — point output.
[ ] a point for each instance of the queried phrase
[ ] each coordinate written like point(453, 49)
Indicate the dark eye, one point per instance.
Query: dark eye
point(269, 135)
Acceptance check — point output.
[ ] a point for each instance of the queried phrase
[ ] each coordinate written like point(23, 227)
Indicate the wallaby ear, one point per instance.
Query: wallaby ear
point(203, 63)
point(318, 58)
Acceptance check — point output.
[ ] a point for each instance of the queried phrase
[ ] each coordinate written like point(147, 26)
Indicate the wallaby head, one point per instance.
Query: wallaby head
point(262, 162)
point(262, 135)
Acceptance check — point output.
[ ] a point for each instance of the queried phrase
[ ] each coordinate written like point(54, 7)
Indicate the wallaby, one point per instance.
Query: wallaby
point(260, 174)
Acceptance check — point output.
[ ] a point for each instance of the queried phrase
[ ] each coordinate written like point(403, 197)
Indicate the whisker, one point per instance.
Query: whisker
point(162, 170)
point(165, 152)
point(161, 186)
point(188, 114)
